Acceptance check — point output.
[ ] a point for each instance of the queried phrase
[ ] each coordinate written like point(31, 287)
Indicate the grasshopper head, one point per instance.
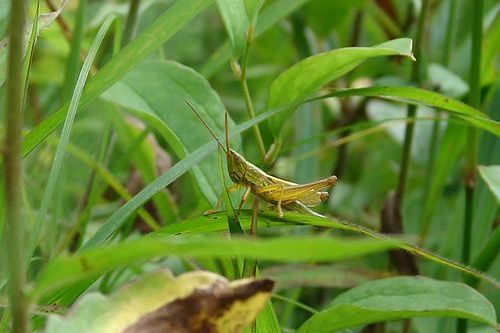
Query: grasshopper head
point(236, 166)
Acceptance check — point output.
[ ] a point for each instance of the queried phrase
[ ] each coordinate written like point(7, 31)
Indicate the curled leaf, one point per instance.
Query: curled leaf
point(193, 302)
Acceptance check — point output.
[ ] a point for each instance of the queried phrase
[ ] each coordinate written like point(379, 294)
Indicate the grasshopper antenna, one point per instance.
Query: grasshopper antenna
point(207, 127)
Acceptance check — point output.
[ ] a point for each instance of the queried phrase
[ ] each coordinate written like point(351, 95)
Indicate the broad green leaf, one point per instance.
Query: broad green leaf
point(417, 96)
point(235, 19)
point(271, 15)
point(90, 263)
point(309, 75)
point(400, 298)
point(156, 92)
point(162, 29)
point(491, 175)
point(189, 301)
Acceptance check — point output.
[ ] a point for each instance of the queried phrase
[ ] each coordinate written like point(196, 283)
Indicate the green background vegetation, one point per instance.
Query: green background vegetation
point(107, 171)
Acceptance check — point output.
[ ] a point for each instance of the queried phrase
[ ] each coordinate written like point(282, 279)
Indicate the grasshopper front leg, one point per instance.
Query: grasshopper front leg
point(243, 200)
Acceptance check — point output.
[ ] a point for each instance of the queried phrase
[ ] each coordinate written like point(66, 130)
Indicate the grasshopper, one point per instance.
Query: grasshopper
point(278, 192)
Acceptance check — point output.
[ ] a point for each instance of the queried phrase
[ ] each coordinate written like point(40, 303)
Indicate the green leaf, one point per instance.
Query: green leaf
point(307, 76)
point(400, 298)
point(491, 176)
point(67, 270)
point(168, 113)
point(413, 95)
point(161, 30)
point(235, 19)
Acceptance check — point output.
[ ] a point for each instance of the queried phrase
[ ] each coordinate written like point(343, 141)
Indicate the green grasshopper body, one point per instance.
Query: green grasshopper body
point(275, 191)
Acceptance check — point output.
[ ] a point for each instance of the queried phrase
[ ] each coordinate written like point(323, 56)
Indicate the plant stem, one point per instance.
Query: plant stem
point(474, 101)
point(472, 137)
point(246, 93)
point(14, 224)
point(412, 109)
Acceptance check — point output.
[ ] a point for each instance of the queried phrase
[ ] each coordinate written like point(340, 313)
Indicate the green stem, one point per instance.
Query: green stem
point(424, 227)
point(412, 109)
point(472, 137)
point(246, 94)
point(130, 22)
point(14, 223)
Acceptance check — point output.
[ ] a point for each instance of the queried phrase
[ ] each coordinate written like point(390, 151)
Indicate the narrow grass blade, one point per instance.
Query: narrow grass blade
point(63, 143)
point(413, 95)
point(67, 270)
point(216, 222)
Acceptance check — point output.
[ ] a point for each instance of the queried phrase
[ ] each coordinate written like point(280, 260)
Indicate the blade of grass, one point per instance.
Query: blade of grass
point(156, 34)
point(419, 96)
point(29, 52)
point(216, 222)
point(130, 23)
point(67, 270)
point(63, 143)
